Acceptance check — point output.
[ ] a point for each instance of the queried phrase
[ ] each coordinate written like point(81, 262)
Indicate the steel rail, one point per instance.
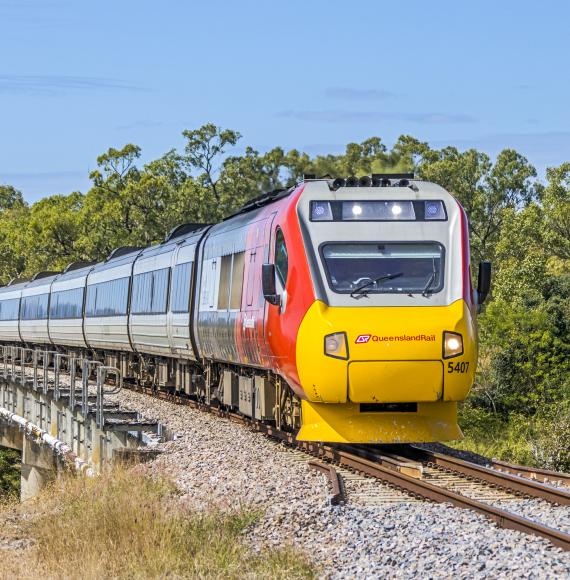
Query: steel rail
point(505, 480)
point(337, 495)
point(420, 488)
point(531, 472)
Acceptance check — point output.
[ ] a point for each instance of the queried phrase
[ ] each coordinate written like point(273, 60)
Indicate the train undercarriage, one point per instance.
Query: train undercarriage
point(255, 393)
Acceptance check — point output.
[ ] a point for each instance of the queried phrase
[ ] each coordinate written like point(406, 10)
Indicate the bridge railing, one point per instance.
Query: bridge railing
point(16, 360)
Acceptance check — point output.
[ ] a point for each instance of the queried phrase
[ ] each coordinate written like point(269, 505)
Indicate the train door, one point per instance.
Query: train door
point(178, 319)
point(253, 315)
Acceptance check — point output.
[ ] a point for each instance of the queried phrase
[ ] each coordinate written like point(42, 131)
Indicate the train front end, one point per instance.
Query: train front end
point(389, 346)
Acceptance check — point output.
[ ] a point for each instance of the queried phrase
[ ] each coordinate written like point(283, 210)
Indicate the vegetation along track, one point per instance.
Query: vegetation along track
point(404, 471)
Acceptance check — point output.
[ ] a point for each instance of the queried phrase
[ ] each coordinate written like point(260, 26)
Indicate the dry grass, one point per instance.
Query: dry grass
point(126, 525)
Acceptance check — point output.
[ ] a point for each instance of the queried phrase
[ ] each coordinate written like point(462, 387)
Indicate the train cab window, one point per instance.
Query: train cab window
point(384, 267)
point(150, 292)
point(35, 307)
point(180, 292)
point(9, 309)
point(281, 257)
point(238, 268)
point(225, 279)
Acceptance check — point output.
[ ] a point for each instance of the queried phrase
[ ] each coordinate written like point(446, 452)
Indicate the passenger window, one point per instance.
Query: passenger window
point(9, 309)
point(251, 277)
point(66, 304)
point(180, 294)
point(237, 280)
point(108, 298)
point(35, 307)
point(281, 258)
point(160, 279)
point(224, 289)
point(150, 292)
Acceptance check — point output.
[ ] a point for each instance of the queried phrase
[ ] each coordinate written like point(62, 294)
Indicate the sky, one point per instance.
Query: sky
point(79, 77)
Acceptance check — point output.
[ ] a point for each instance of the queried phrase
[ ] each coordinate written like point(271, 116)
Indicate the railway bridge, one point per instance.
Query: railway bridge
point(59, 412)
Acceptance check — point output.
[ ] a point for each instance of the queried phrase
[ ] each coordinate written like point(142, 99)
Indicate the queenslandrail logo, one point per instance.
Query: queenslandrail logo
point(364, 338)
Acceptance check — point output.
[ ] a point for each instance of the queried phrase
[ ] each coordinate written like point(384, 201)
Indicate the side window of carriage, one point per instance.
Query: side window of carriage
point(281, 257)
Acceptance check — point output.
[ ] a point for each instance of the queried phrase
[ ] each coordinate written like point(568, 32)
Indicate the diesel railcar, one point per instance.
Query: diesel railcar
point(342, 310)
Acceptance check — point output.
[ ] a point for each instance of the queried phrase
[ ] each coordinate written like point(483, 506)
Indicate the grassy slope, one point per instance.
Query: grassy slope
point(126, 525)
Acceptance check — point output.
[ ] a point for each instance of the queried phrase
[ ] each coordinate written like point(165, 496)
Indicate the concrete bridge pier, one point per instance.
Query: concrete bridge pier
point(39, 467)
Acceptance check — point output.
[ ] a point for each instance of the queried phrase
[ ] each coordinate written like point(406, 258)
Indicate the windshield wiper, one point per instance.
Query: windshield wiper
point(427, 290)
point(360, 292)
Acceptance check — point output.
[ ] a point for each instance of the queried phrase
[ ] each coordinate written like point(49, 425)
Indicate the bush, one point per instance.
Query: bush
point(9, 474)
point(493, 436)
point(551, 441)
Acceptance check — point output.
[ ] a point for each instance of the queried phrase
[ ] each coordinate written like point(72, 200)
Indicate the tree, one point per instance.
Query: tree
point(485, 190)
point(52, 233)
point(556, 201)
point(204, 148)
point(10, 197)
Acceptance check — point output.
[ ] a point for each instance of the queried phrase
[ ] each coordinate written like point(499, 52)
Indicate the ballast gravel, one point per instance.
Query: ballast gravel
point(220, 464)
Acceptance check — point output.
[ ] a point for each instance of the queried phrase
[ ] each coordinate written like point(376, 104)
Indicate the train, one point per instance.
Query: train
point(342, 310)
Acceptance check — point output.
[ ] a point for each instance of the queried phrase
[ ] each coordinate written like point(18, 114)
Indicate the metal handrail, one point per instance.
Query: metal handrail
point(10, 355)
point(102, 374)
point(85, 373)
point(23, 358)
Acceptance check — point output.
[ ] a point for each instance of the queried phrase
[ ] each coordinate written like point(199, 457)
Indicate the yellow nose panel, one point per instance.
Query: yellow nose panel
point(393, 381)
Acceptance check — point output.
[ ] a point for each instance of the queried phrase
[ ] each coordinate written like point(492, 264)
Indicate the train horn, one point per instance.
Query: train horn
point(351, 182)
point(338, 182)
point(364, 181)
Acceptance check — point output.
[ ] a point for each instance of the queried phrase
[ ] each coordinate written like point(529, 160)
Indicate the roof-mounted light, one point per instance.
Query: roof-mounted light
point(378, 211)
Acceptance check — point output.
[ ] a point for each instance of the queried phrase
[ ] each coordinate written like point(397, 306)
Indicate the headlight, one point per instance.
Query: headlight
point(452, 344)
point(336, 345)
point(434, 210)
point(321, 211)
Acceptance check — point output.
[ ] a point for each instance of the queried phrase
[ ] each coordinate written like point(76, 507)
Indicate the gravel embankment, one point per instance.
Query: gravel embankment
point(220, 464)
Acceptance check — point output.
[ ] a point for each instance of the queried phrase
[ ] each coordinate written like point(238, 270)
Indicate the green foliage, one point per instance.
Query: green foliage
point(9, 474)
point(542, 440)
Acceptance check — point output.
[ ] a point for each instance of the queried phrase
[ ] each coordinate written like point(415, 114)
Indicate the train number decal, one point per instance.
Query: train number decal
point(459, 367)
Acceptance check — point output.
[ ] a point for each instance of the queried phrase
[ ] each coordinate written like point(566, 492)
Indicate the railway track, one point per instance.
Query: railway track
point(414, 471)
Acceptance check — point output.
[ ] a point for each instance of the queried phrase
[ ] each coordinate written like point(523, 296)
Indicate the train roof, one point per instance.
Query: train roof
point(184, 233)
point(375, 180)
point(76, 270)
point(118, 257)
point(42, 279)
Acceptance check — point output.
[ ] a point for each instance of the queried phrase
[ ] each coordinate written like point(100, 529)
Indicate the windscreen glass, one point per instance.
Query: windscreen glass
point(384, 267)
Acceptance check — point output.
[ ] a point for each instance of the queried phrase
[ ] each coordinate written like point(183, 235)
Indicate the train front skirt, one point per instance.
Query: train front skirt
point(345, 423)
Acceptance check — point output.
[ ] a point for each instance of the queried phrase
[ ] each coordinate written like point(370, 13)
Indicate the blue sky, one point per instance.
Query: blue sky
point(79, 77)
